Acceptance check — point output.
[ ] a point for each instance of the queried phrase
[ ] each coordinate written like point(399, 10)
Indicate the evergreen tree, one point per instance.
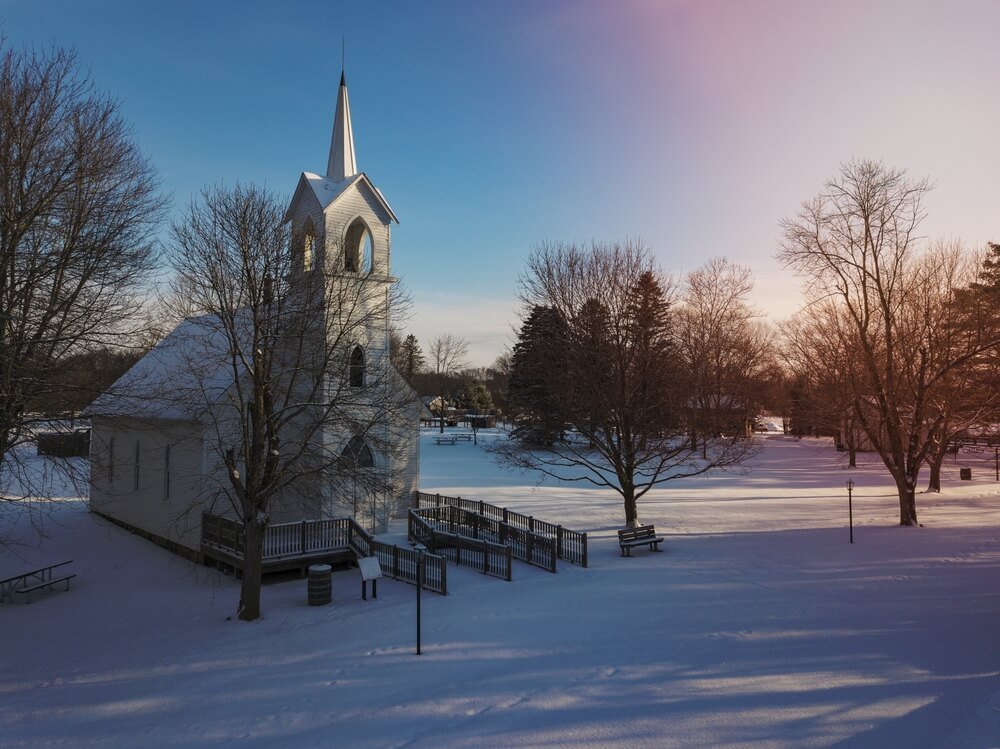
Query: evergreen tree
point(536, 397)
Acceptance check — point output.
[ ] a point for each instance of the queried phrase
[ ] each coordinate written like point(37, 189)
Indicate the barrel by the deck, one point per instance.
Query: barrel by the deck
point(320, 584)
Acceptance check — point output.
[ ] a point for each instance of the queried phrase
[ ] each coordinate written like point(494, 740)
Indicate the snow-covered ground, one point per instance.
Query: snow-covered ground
point(760, 626)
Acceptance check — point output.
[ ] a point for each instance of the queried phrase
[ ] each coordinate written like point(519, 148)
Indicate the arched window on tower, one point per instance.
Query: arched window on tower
point(357, 369)
point(308, 246)
point(358, 247)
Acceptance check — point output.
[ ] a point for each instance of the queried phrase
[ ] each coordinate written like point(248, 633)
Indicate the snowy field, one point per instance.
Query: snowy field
point(760, 626)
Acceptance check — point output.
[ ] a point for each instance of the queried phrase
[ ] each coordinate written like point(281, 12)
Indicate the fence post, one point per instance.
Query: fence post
point(302, 538)
point(475, 526)
point(531, 547)
point(531, 523)
point(486, 558)
point(552, 556)
point(444, 576)
point(509, 564)
point(559, 541)
point(482, 507)
point(584, 535)
point(395, 562)
point(505, 515)
point(438, 499)
point(503, 534)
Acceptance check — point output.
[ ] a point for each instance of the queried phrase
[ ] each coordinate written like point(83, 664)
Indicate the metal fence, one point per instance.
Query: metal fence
point(533, 548)
point(481, 555)
point(571, 545)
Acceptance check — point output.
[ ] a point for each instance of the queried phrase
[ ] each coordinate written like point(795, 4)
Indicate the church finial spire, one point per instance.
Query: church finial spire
point(342, 163)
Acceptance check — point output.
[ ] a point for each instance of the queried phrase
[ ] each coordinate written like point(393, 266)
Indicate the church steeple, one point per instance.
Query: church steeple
point(342, 163)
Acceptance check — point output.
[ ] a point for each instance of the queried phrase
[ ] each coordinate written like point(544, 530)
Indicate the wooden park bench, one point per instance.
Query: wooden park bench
point(467, 436)
point(642, 535)
point(444, 440)
point(28, 582)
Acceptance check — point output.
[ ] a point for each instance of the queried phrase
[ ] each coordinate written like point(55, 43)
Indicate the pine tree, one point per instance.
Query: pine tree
point(536, 397)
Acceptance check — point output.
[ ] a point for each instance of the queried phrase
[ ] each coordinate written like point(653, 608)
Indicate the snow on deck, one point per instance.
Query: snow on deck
point(760, 626)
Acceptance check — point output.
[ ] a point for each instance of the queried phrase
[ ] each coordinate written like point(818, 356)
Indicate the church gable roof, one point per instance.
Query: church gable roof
point(179, 378)
point(327, 191)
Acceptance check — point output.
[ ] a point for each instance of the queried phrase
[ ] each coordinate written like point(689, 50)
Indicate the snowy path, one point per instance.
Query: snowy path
point(759, 627)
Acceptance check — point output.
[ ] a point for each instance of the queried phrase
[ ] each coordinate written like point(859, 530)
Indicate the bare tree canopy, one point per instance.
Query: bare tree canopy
point(78, 207)
point(885, 308)
point(447, 356)
point(280, 373)
point(727, 352)
point(597, 391)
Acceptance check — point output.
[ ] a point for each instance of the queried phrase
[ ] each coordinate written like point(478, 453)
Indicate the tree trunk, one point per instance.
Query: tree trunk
point(253, 562)
point(907, 501)
point(934, 484)
point(631, 512)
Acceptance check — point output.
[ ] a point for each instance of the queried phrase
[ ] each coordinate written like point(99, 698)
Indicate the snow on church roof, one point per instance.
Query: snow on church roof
point(327, 190)
point(179, 378)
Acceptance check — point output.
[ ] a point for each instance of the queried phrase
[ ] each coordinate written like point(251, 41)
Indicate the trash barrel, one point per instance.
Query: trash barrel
point(320, 584)
point(965, 474)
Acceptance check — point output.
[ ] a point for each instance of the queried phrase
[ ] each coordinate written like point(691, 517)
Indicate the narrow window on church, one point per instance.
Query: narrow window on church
point(111, 460)
point(166, 472)
point(135, 477)
point(366, 254)
point(308, 246)
point(358, 247)
point(357, 372)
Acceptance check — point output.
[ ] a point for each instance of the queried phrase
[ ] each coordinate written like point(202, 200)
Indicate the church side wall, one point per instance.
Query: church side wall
point(145, 475)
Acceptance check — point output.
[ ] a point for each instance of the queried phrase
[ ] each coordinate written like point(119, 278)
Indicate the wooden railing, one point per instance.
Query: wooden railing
point(308, 537)
point(570, 545)
point(480, 554)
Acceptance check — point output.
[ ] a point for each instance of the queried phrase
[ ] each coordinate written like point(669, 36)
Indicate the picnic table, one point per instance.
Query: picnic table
point(28, 582)
point(445, 439)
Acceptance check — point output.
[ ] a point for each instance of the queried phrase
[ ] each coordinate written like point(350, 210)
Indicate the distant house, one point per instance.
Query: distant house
point(155, 459)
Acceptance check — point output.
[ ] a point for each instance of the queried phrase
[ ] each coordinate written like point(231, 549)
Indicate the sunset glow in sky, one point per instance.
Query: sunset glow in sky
point(490, 127)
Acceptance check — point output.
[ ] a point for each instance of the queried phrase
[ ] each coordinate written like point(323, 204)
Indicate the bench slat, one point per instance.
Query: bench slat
point(46, 584)
point(643, 535)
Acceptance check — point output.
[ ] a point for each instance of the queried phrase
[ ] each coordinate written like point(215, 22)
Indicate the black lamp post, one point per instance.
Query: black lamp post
point(850, 507)
point(420, 549)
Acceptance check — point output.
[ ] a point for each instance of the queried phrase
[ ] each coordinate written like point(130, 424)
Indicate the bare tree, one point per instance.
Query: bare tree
point(78, 207)
point(857, 245)
point(821, 362)
point(277, 372)
point(447, 355)
point(726, 351)
point(619, 391)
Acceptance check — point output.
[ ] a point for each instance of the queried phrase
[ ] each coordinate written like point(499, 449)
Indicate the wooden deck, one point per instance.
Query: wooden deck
point(289, 546)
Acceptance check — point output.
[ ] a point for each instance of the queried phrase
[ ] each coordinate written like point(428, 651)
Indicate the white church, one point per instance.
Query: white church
point(157, 457)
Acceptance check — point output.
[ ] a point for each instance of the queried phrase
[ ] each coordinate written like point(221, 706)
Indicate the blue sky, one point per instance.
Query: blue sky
point(492, 126)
